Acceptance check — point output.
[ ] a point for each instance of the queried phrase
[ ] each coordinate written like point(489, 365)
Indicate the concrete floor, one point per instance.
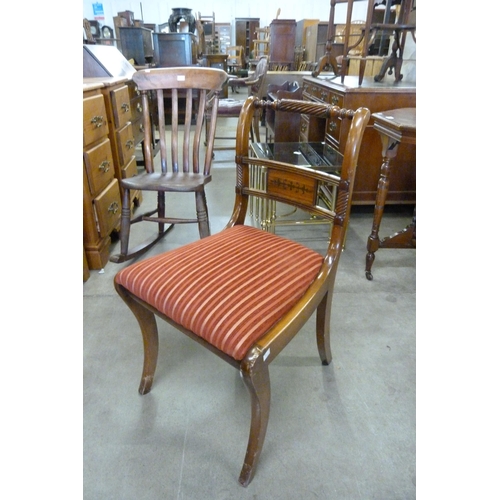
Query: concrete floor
point(345, 431)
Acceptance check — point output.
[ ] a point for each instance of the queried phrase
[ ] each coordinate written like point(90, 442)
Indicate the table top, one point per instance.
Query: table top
point(303, 154)
point(368, 85)
point(401, 124)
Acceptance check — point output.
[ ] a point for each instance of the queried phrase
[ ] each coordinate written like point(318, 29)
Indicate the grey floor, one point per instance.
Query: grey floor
point(345, 431)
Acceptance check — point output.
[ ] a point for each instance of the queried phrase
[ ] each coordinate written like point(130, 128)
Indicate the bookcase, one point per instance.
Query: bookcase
point(244, 33)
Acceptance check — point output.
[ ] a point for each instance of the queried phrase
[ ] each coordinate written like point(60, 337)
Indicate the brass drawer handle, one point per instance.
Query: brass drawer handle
point(139, 107)
point(335, 100)
point(332, 127)
point(104, 166)
point(323, 94)
point(303, 127)
point(125, 107)
point(141, 127)
point(113, 208)
point(98, 121)
point(129, 144)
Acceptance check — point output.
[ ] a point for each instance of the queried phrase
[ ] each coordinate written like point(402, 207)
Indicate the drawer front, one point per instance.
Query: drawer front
point(95, 123)
point(130, 169)
point(315, 92)
point(136, 108)
point(107, 208)
point(333, 132)
point(99, 165)
point(138, 131)
point(133, 91)
point(126, 143)
point(335, 99)
point(121, 106)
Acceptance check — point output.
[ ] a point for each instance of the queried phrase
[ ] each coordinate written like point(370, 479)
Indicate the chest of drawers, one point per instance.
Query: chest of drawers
point(112, 129)
point(123, 121)
point(101, 193)
point(376, 96)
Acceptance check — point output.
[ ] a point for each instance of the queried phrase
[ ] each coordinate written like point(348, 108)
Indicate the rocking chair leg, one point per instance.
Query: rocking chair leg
point(323, 329)
point(257, 381)
point(161, 211)
point(202, 214)
point(125, 223)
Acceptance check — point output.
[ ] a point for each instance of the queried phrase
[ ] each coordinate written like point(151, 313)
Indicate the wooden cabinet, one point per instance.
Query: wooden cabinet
point(376, 96)
point(300, 32)
point(116, 94)
point(109, 124)
point(136, 113)
point(136, 43)
point(175, 49)
point(101, 193)
point(316, 36)
point(282, 43)
point(223, 36)
point(245, 33)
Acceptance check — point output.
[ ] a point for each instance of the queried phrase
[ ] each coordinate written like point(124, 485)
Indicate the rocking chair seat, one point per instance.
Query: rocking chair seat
point(170, 181)
point(229, 288)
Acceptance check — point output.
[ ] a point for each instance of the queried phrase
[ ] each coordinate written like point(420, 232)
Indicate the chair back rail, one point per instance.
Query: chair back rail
point(190, 91)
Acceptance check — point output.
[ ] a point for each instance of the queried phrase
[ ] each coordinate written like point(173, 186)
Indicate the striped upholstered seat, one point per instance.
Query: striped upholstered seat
point(229, 288)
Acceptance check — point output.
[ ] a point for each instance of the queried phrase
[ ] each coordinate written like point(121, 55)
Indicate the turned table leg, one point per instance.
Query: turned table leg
point(389, 151)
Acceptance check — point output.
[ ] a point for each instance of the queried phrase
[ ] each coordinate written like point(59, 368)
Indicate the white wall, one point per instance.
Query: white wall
point(158, 12)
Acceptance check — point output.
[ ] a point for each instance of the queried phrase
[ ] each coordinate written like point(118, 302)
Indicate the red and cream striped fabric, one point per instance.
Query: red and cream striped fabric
point(229, 288)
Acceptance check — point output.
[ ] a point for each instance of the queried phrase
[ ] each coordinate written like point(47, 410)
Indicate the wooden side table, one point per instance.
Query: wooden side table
point(395, 126)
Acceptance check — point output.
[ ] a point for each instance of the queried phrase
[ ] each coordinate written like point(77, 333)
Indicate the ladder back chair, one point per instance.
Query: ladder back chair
point(245, 293)
point(235, 58)
point(189, 90)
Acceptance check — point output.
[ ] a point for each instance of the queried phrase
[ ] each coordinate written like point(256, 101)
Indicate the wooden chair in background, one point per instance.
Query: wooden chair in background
point(235, 58)
point(189, 89)
point(261, 42)
point(245, 293)
point(231, 108)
